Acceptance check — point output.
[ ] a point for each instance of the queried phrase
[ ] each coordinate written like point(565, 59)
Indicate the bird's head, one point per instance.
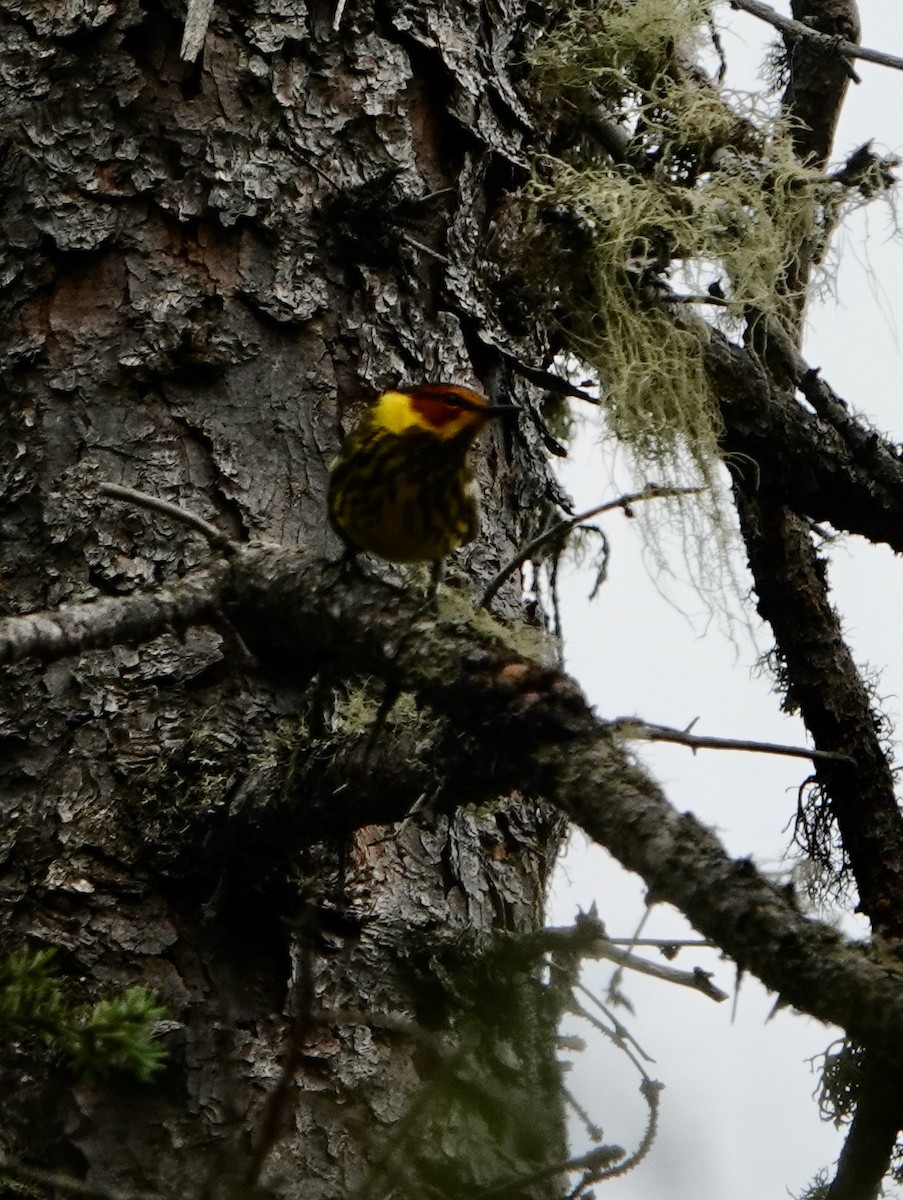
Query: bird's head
point(442, 409)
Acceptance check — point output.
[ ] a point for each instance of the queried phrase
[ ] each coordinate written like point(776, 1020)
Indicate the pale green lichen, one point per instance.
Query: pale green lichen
point(618, 225)
point(708, 191)
point(614, 45)
point(527, 641)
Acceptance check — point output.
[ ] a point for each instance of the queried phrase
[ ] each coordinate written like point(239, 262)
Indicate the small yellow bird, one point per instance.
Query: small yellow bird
point(401, 486)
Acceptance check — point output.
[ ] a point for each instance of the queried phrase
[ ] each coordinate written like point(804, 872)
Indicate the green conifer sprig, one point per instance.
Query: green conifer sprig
point(93, 1040)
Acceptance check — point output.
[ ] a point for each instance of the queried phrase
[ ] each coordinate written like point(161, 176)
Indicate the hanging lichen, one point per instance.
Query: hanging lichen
point(669, 204)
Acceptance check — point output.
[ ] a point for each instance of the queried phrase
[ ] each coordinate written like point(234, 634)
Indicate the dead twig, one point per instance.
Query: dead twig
point(798, 29)
point(632, 727)
point(583, 940)
point(562, 528)
point(56, 1181)
point(128, 495)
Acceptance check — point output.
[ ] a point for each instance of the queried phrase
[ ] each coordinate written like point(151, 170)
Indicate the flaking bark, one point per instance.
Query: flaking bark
point(208, 269)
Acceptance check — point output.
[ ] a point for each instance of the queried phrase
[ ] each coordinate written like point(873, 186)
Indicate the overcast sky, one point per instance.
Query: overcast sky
point(738, 1118)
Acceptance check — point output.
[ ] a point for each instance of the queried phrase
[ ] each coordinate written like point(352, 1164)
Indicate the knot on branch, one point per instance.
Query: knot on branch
point(540, 699)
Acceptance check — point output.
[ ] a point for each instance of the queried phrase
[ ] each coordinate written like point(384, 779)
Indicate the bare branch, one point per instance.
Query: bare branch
point(632, 727)
point(337, 17)
point(128, 495)
point(196, 22)
point(549, 380)
point(695, 298)
point(650, 492)
point(57, 1182)
point(575, 939)
point(595, 1162)
point(797, 29)
point(113, 620)
point(668, 946)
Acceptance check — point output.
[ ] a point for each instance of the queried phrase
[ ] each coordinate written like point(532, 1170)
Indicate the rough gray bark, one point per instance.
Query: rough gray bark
point(206, 270)
point(500, 722)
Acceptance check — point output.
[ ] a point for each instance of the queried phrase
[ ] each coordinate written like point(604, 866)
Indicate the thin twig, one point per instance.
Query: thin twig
point(800, 30)
point(692, 298)
point(424, 249)
point(697, 979)
point(128, 495)
point(541, 376)
point(593, 1130)
point(616, 1031)
point(594, 1160)
point(651, 1090)
point(618, 974)
point(547, 379)
point(57, 1182)
point(580, 939)
point(631, 727)
point(666, 945)
point(562, 528)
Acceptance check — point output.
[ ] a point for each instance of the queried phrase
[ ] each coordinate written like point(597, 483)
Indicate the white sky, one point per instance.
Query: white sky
point(738, 1118)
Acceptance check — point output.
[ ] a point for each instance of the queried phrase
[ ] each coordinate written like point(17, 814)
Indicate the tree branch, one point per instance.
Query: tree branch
point(562, 528)
point(111, 621)
point(832, 699)
point(55, 1181)
point(827, 466)
point(535, 731)
point(869, 1146)
point(821, 676)
point(830, 468)
point(587, 943)
point(197, 20)
point(633, 727)
point(796, 29)
point(816, 87)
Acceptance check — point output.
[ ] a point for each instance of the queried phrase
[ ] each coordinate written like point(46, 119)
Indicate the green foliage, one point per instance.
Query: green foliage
point(30, 999)
point(115, 1034)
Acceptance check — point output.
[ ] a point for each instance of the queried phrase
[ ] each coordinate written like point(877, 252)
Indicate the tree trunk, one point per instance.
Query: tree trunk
point(209, 269)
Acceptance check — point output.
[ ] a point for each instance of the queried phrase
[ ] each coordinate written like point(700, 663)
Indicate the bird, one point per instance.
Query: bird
point(402, 486)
